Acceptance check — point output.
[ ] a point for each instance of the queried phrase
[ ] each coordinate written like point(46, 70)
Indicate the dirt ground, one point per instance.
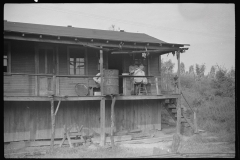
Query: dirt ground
point(199, 143)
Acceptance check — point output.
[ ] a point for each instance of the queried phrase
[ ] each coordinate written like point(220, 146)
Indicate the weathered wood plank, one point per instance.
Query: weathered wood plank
point(37, 120)
point(102, 122)
point(115, 138)
point(148, 140)
point(85, 98)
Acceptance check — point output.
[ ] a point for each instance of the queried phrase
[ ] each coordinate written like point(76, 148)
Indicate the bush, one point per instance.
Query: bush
point(218, 115)
point(187, 81)
point(223, 84)
point(215, 103)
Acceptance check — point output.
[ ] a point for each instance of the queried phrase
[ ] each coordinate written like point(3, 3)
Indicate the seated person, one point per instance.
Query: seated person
point(139, 80)
point(97, 80)
point(132, 68)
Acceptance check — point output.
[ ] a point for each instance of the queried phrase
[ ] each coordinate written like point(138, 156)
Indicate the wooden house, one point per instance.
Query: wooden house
point(43, 64)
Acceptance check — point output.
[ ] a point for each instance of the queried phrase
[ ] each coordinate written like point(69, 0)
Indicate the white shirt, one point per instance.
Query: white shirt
point(97, 79)
point(139, 72)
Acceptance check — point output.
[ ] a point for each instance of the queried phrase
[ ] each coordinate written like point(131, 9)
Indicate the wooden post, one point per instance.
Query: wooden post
point(112, 119)
point(195, 122)
point(101, 70)
point(176, 137)
point(179, 97)
point(156, 81)
point(53, 123)
point(102, 122)
point(36, 70)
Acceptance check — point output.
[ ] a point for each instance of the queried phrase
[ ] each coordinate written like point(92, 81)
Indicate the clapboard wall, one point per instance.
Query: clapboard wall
point(32, 120)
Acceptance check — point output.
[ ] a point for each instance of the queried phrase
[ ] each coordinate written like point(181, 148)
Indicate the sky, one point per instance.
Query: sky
point(208, 28)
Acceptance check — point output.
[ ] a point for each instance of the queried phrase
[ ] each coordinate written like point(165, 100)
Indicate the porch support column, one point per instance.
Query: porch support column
point(101, 70)
point(112, 119)
point(177, 136)
point(102, 105)
point(179, 97)
point(53, 124)
point(102, 122)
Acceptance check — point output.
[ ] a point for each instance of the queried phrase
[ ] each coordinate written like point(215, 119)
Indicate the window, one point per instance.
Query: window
point(46, 61)
point(76, 61)
point(6, 57)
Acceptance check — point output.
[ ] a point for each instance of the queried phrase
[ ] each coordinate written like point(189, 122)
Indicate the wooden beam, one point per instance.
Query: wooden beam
point(46, 61)
point(102, 122)
point(36, 68)
point(53, 124)
point(59, 102)
point(57, 86)
point(86, 61)
point(148, 51)
point(61, 41)
point(179, 98)
point(156, 81)
point(87, 98)
point(112, 119)
point(68, 61)
point(57, 59)
point(195, 122)
point(101, 70)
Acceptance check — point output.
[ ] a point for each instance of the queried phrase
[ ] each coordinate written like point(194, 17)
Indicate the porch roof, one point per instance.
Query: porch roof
point(81, 33)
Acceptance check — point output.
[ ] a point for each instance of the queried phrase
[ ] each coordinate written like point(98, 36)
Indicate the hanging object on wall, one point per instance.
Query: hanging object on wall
point(81, 89)
point(144, 55)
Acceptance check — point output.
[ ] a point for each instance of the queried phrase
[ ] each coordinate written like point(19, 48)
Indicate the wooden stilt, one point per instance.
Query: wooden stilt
point(177, 137)
point(112, 119)
point(195, 122)
point(53, 123)
point(102, 122)
point(179, 97)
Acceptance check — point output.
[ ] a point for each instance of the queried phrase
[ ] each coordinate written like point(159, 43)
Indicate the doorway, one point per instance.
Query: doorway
point(115, 61)
point(46, 66)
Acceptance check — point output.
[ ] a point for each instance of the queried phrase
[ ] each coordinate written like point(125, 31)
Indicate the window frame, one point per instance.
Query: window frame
point(46, 47)
point(83, 49)
point(8, 56)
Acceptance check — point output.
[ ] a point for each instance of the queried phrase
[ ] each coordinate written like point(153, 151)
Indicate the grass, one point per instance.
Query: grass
point(215, 114)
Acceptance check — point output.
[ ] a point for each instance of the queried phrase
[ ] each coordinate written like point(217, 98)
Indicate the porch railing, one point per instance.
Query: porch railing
point(159, 85)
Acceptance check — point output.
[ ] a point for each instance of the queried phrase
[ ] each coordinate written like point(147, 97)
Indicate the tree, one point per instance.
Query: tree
point(182, 68)
point(200, 69)
point(167, 67)
point(231, 74)
point(212, 72)
point(191, 69)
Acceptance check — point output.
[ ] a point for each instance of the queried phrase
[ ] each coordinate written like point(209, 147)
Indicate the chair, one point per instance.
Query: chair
point(141, 88)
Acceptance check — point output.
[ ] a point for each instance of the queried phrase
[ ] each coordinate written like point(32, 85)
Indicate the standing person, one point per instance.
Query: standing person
point(139, 80)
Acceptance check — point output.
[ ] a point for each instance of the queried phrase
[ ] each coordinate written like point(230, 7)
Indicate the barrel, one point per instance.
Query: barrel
point(111, 82)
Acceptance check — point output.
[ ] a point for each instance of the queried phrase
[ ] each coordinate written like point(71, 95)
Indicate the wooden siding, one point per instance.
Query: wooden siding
point(22, 57)
point(32, 120)
point(19, 85)
point(67, 85)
